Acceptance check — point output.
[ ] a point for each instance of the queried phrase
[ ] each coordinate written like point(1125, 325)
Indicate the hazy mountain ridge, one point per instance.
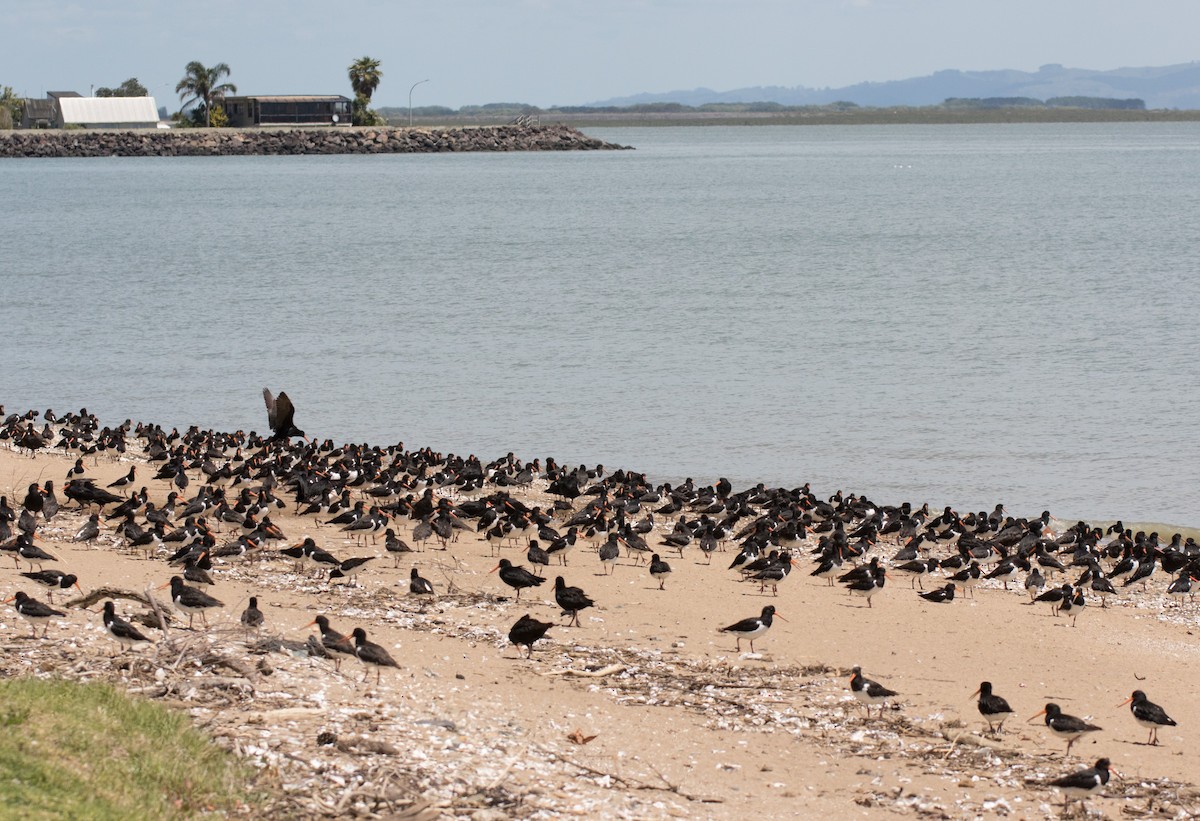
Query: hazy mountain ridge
point(1176, 86)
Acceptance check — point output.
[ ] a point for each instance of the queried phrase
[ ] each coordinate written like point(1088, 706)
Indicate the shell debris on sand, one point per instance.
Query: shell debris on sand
point(466, 729)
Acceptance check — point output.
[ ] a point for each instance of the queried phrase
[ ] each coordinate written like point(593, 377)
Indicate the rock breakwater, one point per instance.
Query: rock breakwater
point(241, 142)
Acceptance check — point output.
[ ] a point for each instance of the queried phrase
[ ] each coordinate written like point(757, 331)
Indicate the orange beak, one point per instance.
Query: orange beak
point(1039, 715)
point(781, 618)
point(1126, 701)
point(494, 569)
point(310, 624)
point(977, 692)
point(161, 586)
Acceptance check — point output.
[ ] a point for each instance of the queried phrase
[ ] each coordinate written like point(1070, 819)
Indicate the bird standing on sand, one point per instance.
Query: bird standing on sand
point(53, 579)
point(1148, 714)
point(516, 576)
point(1065, 726)
point(659, 570)
point(527, 630)
point(191, 601)
point(571, 600)
point(1083, 783)
point(752, 627)
point(869, 693)
point(121, 631)
point(280, 414)
point(369, 652)
point(992, 707)
point(34, 611)
point(336, 644)
point(252, 617)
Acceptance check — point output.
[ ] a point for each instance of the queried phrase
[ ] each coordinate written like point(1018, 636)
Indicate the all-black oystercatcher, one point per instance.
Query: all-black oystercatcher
point(336, 644)
point(1085, 782)
point(369, 652)
point(943, 595)
point(869, 693)
point(191, 601)
point(992, 707)
point(419, 586)
point(280, 413)
point(527, 630)
point(121, 631)
point(659, 570)
point(1065, 726)
point(516, 576)
point(54, 580)
point(1148, 714)
point(571, 600)
point(752, 627)
point(35, 611)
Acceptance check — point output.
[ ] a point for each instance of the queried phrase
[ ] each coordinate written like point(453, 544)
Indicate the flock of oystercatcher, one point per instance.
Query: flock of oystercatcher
point(236, 480)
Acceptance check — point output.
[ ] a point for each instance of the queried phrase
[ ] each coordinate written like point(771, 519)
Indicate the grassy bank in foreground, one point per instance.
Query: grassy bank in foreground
point(71, 750)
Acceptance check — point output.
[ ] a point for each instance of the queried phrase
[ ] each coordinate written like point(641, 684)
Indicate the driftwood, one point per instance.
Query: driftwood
point(611, 669)
point(107, 593)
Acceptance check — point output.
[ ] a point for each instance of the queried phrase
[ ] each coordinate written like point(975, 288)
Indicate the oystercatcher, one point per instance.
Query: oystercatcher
point(571, 600)
point(867, 588)
point(752, 627)
point(368, 652)
point(35, 611)
point(1083, 783)
point(659, 570)
point(190, 601)
point(1073, 606)
point(121, 631)
point(54, 580)
point(1148, 714)
point(992, 707)
point(334, 642)
point(419, 586)
point(280, 413)
point(526, 631)
point(516, 576)
point(394, 544)
point(869, 692)
point(610, 551)
point(943, 595)
point(252, 617)
point(1065, 726)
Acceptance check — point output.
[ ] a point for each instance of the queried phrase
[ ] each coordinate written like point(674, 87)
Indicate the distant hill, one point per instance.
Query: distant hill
point(1175, 86)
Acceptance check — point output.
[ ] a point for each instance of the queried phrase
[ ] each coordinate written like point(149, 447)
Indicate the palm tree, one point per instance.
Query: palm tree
point(203, 85)
point(364, 77)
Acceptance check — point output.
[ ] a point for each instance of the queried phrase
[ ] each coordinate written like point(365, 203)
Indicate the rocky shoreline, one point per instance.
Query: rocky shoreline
point(263, 142)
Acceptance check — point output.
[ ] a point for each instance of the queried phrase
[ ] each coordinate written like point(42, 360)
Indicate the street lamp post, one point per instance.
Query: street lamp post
point(410, 91)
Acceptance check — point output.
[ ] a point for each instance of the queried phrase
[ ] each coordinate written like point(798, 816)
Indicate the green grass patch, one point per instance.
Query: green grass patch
point(70, 750)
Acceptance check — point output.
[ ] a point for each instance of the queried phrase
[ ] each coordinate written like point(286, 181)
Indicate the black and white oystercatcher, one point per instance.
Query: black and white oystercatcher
point(1065, 726)
point(369, 652)
point(419, 586)
point(943, 595)
point(35, 611)
point(1148, 714)
point(992, 707)
point(659, 570)
point(53, 579)
point(1085, 782)
point(753, 627)
point(869, 693)
point(527, 630)
point(121, 631)
point(571, 600)
point(190, 601)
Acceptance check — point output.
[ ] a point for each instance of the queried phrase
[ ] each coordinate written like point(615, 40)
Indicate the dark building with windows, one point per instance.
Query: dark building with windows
point(287, 109)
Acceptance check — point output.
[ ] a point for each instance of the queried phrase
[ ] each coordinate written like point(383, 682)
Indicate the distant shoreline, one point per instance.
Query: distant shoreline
point(933, 115)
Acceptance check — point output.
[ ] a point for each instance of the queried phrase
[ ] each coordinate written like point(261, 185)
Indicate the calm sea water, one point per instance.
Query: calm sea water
point(959, 315)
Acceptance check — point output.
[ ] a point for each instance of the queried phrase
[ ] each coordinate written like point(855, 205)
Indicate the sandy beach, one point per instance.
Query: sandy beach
point(682, 724)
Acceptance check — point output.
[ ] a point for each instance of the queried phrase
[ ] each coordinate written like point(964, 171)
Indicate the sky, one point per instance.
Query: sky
point(571, 52)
